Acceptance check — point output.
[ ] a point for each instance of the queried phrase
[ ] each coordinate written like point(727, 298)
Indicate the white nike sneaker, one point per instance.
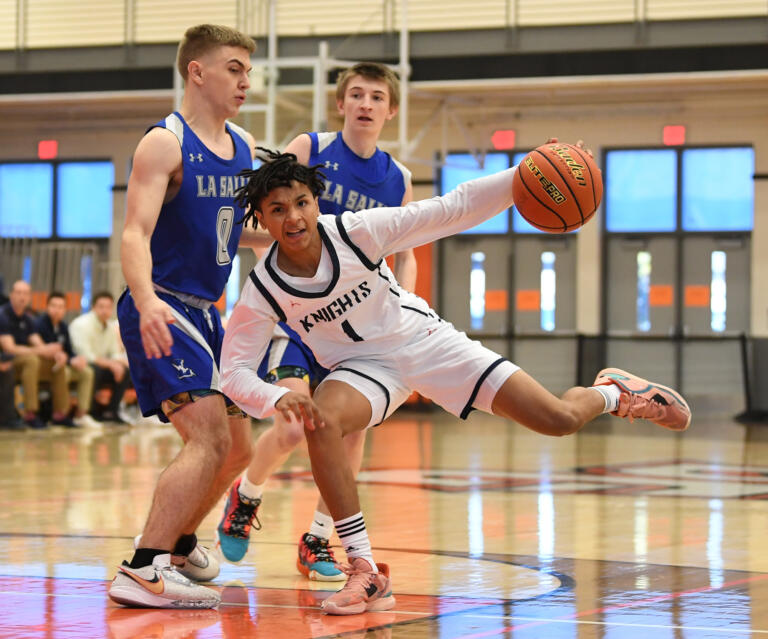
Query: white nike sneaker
point(200, 565)
point(159, 586)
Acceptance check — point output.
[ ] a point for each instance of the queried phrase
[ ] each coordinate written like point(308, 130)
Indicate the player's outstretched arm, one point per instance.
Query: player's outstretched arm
point(405, 266)
point(383, 231)
point(246, 339)
point(157, 159)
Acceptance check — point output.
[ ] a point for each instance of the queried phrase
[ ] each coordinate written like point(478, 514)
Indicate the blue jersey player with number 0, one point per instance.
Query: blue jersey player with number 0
point(181, 233)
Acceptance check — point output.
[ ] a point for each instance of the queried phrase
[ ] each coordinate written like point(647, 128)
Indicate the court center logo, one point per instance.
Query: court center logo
point(182, 372)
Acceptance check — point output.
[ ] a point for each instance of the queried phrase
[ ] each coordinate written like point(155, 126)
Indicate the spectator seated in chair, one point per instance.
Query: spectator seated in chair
point(95, 337)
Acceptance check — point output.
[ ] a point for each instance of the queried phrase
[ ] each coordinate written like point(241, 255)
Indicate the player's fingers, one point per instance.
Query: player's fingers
point(306, 415)
point(317, 416)
point(551, 141)
point(163, 338)
point(150, 348)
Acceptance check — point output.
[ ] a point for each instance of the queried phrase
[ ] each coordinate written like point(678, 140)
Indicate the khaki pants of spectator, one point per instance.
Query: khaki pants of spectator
point(30, 370)
point(84, 381)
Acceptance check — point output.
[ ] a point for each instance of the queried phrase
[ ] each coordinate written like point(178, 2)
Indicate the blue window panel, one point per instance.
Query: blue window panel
point(84, 199)
point(26, 200)
point(461, 167)
point(641, 190)
point(718, 190)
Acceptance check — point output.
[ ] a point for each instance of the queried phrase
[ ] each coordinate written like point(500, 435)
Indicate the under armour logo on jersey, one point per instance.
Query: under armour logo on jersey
point(195, 157)
point(183, 371)
point(331, 165)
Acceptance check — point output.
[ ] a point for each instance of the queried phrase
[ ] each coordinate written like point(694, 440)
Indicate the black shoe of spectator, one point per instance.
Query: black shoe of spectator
point(35, 422)
point(64, 421)
point(109, 416)
point(16, 424)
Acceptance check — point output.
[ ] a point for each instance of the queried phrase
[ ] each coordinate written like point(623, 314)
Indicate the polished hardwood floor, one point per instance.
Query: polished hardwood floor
point(622, 531)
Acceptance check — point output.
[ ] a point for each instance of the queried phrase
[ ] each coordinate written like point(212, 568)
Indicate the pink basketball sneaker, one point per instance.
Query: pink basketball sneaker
point(364, 590)
point(646, 400)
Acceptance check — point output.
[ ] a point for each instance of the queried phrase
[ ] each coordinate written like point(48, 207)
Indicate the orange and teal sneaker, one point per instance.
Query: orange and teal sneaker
point(316, 560)
point(364, 591)
point(234, 530)
point(641, 399)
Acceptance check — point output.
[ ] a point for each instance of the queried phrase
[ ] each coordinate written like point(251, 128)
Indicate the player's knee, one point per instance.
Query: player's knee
point(331, 429)
point(221, 444)
point(289, 434)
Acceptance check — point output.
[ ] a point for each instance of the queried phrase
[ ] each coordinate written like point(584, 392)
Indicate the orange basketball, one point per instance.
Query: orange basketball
point(557, 187)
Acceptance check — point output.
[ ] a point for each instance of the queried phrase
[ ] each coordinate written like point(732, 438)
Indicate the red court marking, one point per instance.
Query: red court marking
point(70, 608)
point(629, 604)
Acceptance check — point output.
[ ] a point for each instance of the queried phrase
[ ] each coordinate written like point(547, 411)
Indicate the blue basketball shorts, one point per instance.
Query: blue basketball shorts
point(288, 356)
point(193, 364)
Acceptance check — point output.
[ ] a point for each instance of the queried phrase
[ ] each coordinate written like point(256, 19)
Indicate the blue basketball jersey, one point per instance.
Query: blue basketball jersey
point(197, 234)
point(354, 183)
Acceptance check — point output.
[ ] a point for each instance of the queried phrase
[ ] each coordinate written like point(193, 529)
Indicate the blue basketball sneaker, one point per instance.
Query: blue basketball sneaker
point(234, 529)
point(316, 560)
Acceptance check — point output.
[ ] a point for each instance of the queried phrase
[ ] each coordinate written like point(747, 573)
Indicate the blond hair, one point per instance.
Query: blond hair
point(370, 71)
point(200, 39)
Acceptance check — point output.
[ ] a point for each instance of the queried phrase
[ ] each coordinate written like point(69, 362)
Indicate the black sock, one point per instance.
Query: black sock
point(144, 556)
point(185, 545)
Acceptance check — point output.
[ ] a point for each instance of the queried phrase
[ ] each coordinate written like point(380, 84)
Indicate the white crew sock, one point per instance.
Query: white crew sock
point(611, 394)
point(354, 538)
point(250, 490)
point(322, 525)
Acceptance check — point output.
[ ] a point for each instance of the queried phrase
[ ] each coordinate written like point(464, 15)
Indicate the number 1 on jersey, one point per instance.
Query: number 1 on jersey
point(351, 334)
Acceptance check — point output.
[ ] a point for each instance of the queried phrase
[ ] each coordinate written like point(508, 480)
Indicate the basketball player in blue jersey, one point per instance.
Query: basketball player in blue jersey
point(359, 176)
point(325, 277)
point(181, 233)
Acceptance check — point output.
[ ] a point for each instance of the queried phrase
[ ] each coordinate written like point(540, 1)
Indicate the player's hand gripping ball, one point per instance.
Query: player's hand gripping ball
point(557, 187)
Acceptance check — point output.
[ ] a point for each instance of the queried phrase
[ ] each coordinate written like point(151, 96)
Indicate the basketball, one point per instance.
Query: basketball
point(557, 187)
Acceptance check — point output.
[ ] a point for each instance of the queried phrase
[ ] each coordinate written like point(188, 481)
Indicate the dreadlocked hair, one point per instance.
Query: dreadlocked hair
point(277, 169)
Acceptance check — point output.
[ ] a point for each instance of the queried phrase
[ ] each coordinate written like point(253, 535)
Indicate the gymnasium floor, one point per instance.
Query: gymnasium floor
point(622, 531)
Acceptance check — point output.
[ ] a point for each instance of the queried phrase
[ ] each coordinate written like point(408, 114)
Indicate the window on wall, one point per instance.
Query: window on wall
point(462, 167)
point(667, 190)
point(694, 208)
point(56, 199)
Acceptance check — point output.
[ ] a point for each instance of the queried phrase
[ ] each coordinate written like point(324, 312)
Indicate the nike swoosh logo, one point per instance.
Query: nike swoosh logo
point(156, 586)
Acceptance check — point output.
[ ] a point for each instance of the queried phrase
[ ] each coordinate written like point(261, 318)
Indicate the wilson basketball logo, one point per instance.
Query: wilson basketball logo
point(550, 189)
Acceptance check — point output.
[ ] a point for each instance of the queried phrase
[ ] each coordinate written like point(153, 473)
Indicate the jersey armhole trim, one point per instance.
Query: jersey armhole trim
point(375, 381)
point(267, 296)
point(468, 407)
point(348, 241)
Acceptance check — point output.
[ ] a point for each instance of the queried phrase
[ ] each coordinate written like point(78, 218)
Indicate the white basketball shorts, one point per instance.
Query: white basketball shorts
point(440, 363)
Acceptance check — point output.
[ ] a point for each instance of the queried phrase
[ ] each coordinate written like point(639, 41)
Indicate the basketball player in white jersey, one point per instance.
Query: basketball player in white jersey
point(359, 176)
point(325, 276)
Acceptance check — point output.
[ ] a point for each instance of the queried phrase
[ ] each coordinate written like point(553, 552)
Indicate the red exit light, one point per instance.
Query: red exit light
point(503, 139)
point(674, 135)
point(47, 149)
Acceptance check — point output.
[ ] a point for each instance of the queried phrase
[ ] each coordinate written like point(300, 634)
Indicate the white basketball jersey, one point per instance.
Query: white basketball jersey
point(352, 307)
point(360, 312)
